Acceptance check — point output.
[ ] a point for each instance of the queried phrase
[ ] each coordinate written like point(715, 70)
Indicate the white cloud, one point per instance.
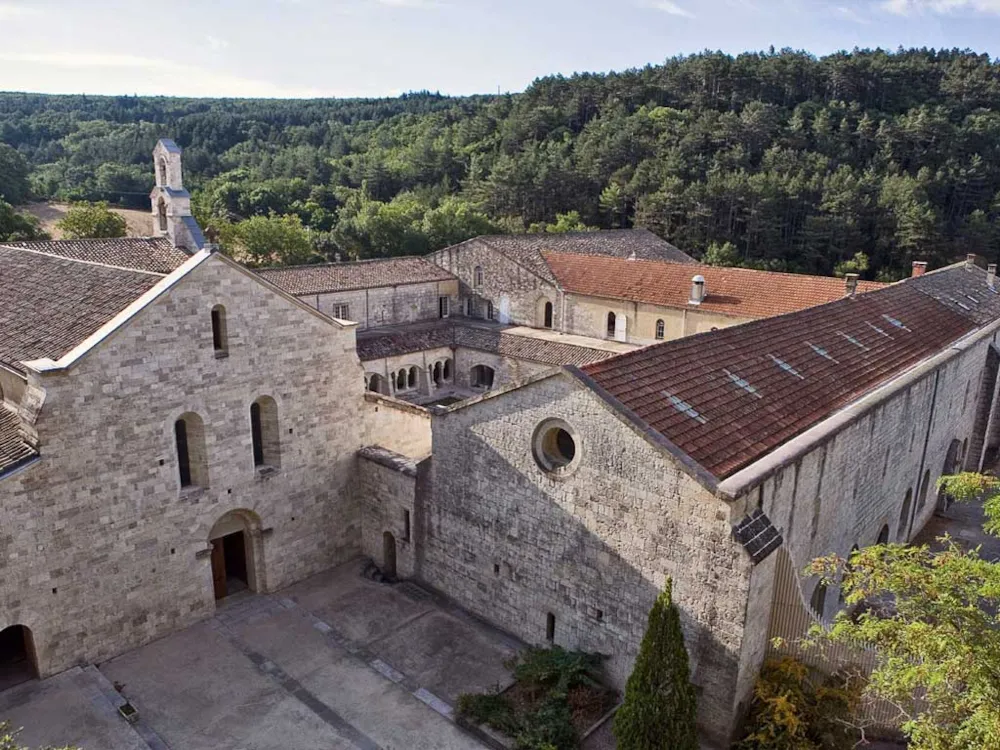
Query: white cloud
point(76, 73)
point(849, 14)
point(10, 11)
point(668, 6)
point(911, 7)
point(216, 44)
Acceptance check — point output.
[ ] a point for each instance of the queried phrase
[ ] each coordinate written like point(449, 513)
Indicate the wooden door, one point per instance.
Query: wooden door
point(219, 568)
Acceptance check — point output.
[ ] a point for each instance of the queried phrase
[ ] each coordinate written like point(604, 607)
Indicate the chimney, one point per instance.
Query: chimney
point(850, 284)
point(919, 268)
point(991, 274)
point(697, 290)
point(970, 260)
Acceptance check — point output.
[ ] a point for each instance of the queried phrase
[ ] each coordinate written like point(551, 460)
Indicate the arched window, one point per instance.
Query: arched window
point(611, 325)
point(548, 315)
point(437, 373)
point(446, 371)
point(478, 277)
point(489, 310)
point(401, 380)
point(661, 330)
point(924, 486)
point(162, 171)
point(883, 535)
point(481, 376)
point(192, 460)
point(264, 432)
point(818, 600)
point(378, 384)
point(161, 211)
point(220, 337)
point(411, 378)
point(904, 517)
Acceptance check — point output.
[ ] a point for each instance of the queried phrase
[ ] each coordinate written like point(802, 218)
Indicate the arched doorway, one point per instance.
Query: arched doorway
point(233, 554)
point(161, 213)
point(17, 656)
point(389, 556)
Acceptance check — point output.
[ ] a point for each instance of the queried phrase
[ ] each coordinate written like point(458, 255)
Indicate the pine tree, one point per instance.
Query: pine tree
point(659, 708)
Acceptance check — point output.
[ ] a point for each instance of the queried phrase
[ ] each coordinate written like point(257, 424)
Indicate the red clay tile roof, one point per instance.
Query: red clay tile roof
point(729, 397)
point(362, 274)
point(49, 304)
point(155, 254)
point(739, 292)
point(529, 249)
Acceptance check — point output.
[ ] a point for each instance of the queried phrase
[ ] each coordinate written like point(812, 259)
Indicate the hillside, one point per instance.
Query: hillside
point(778, 160)
point(137, 223)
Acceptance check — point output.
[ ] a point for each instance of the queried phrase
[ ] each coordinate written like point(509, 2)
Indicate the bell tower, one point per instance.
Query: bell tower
point(172, 217)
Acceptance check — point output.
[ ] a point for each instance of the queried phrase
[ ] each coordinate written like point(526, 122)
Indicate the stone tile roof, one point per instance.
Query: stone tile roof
point(156, 254)
point(393, 342)
point(527, 347)
point(729, 397)
point(739, 292)
point(378, 343)
point(49, 304)
point(362, 274)
point(13, 450)
point(529, 249)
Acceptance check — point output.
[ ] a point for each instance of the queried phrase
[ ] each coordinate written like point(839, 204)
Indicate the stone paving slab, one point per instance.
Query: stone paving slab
point(69, 708)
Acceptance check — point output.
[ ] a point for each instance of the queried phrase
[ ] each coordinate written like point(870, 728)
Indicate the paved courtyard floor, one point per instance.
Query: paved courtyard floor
point(336, 662)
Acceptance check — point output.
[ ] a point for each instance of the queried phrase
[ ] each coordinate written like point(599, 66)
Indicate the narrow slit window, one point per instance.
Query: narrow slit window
point(550, 627)
point(406, 525)
point(219, 336)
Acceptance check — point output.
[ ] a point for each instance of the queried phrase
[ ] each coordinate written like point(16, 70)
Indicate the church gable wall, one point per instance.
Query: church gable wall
point(102, 550)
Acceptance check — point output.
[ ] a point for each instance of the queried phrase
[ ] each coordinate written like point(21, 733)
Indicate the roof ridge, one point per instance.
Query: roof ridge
point(80, 260)
point(341, 264)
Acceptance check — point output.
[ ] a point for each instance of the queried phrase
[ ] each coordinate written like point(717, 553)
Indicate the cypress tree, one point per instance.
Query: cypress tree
point(659, 708)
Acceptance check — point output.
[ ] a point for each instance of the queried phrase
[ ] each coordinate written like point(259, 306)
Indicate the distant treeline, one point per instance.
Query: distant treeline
point(776, 160)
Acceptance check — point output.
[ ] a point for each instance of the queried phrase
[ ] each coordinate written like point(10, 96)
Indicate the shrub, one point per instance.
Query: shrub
point(796, 708)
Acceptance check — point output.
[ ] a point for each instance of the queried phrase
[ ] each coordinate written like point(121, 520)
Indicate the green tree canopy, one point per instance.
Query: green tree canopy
point(14, 186)
point(8, 739)
point(85, 221)
point(937, 630)
point(15, 225)
point(658, 712)
point(262, 241)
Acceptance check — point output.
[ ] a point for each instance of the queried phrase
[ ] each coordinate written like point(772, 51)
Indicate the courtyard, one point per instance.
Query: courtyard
point(337, 661)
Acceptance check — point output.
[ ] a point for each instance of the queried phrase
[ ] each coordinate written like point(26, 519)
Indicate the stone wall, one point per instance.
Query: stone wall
point(854, 481)
point(399, 426)
point(424, 361)
point(507, 370)
point(514, 543)
point(390, 305)
point(588, 316)
point(387, 483)
point(503, 279)
point(101, 550)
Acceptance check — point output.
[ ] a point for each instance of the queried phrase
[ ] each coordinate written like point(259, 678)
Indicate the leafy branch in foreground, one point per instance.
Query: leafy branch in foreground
point(932, 615)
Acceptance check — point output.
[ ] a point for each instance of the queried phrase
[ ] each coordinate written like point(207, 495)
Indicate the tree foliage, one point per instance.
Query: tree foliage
point(658, 712)
point(16, 225)
point(8, 739)
point(795, 708)
point(273, 240)
point(797, 162)
point(85, 221)
point(932, 614)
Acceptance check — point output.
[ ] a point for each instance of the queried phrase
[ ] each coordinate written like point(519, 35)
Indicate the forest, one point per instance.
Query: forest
point(864, 160)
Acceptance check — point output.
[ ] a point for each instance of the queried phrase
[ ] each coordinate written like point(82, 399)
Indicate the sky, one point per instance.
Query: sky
point(311, 48)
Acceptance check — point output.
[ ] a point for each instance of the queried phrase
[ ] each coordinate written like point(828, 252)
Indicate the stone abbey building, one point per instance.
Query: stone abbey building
point(175, 428)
